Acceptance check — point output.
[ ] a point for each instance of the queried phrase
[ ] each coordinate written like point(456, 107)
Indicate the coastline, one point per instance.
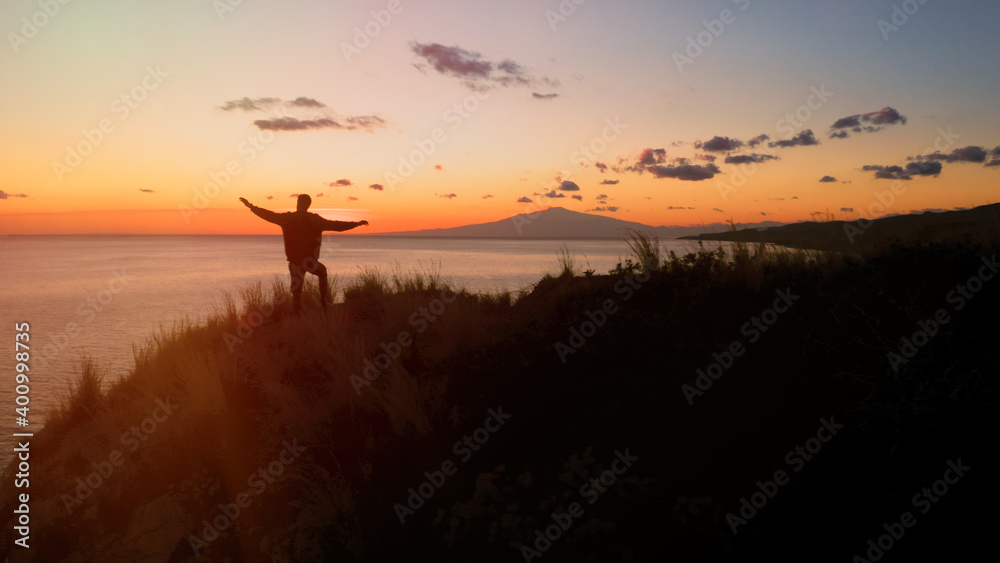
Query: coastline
point(378, 413)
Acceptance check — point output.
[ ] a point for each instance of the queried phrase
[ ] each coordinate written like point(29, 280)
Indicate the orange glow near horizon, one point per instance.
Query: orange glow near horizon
point(558, 119)
point(764, 196)
point(206, 222)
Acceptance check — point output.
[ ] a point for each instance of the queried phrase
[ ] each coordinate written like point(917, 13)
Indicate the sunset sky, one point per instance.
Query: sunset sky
point(818, 105)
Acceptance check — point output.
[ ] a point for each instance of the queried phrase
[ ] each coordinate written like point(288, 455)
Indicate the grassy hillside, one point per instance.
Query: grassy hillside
point(265, 436)
point(866, 236)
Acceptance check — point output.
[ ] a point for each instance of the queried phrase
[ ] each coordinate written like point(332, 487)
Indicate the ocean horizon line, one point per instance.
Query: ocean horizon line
point(279, 235)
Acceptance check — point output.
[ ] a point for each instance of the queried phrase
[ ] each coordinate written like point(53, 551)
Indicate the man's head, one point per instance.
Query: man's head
point(304, 202)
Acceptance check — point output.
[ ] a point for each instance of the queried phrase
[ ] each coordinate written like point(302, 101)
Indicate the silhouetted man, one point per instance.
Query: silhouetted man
point(303, 234)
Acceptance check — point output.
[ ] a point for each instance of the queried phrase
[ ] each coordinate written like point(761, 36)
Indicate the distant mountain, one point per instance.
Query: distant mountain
point(977, 224)
point(559, 222)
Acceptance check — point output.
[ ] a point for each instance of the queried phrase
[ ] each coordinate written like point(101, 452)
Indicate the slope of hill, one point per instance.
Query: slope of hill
point(472, 432)
point(978, 223)
point(559, 222)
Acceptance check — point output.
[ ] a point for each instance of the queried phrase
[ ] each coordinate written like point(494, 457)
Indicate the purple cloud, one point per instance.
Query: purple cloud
point(748, 158)
point(804, 138)
point(364, 122)
point(304, 102)
point(473, 70)
point(866, 122)
point(686, 172)
point(758, 140)
point(721, 144)
point(249, 104)
point(970, 153)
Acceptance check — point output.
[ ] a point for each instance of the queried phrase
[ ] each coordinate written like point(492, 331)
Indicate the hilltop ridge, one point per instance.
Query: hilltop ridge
point(559, 222)
point(978, 223)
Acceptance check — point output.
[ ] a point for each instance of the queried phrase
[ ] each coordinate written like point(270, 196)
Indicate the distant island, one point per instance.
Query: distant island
point(840, 236)
point(559, 222)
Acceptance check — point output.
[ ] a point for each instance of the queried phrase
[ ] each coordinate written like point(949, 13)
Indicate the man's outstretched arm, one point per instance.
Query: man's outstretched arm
point(340, 226)
point(265, 214)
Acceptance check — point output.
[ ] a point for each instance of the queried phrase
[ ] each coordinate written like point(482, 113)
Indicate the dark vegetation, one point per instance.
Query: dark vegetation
point(862, 235)
point(826, 357)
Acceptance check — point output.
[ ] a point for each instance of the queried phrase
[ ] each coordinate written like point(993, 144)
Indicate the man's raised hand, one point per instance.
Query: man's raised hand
point(245, 202)
point(362, 223)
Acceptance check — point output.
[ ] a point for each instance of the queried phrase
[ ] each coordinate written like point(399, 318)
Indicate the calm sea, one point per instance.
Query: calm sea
point(119, 289)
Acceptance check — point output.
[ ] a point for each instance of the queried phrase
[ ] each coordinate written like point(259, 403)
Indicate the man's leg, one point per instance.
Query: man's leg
point(298, 275)
point(324, 289)
point(316, 267)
